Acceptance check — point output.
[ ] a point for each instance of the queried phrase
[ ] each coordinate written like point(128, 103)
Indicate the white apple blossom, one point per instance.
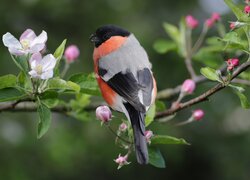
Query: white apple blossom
point(42, 67)
point(28, 43)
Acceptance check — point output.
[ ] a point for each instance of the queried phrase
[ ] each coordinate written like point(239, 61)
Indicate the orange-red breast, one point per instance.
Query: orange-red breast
point(125, 79)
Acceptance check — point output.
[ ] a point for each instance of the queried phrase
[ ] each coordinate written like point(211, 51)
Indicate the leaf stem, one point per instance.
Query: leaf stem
point(114, 133)
point(65, 69)
point(200, 40)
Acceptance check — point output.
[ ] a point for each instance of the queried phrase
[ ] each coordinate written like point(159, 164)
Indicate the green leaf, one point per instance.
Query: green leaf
point(243, 100)
point(150, 115)
point(62, 85)
point(58, 55)
point(50, 103)
point(59, 51)
point(50, 98)
point(81, 101)
point(214, 41)
point(49, 95)
point(155, 158)
point(163, 139)
point(87, 83)
point(160, 106)
point(245, 75)
point(21, 62)
point(210, 74)
point(10, 94)
point(172, 32)
point(44, 119)
point(238, 88)
point(163, 46)
point(210, 56)
point(23, 80)
point(81, 115)
point(237, 11)
point(73, 86)
point(8, 81)
point(234, 41)
point(182, 40)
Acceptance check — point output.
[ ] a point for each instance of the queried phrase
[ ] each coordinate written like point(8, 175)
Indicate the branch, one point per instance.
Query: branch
point(204, 96)
point(28, 105)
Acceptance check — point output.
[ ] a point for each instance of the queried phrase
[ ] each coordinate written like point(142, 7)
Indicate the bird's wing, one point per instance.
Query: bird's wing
point(135, 90)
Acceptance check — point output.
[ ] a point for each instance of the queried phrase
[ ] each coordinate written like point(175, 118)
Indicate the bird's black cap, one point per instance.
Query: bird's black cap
point(103, 33)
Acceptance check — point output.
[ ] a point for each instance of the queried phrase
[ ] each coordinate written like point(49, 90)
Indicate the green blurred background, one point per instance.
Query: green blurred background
point(84, 150)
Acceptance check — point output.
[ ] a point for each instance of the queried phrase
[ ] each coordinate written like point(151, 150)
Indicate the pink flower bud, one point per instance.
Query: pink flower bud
point(188, 86)
point(235, 62)
point(198, 114)
point(121, 160)
point(232, 63)
point(247, 9)
point(148, 134)
point(209, 23)
point(103, 113)
point(215, 17)
point(247, 1)
point(123, 127)
point(191, 22)
point(71, 53)
point(237, 24)
point(232, 25)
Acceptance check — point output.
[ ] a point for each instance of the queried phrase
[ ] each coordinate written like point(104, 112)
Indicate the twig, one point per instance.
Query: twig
point(204, 96)
point(241, 81)
point(170, 92)
point(188, 55)
point(65, 69)
point(200, 40)
point(190, 68)
point(114, 133)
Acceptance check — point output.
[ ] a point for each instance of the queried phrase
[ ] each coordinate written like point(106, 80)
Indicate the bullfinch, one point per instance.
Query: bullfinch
point(124, 75)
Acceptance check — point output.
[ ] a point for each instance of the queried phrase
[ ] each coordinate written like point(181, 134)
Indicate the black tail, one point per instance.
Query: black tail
point(138, 125)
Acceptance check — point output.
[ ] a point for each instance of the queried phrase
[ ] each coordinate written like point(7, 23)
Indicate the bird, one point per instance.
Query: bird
point(125, 79)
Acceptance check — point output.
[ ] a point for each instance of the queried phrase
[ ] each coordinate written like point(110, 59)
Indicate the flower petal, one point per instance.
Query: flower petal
point(17, 52)
point(29, 34)
point(33, 74)
point(37, 48)
point(41, 39)
point(10, 41)
point(47, 74)
point(35, 59)
point(48, 62)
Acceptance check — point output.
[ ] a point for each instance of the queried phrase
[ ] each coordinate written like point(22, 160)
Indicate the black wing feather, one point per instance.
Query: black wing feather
point(146, 84)
point(126, 85)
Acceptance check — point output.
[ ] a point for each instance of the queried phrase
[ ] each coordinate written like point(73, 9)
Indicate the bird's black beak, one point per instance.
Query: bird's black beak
point(93, 38)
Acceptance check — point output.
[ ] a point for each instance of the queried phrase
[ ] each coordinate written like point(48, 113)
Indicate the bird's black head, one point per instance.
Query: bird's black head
point(103, 33)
